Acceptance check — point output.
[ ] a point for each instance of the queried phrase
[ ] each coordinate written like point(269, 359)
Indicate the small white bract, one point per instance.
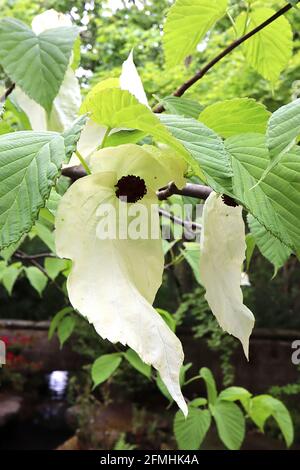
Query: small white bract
point(221, 259)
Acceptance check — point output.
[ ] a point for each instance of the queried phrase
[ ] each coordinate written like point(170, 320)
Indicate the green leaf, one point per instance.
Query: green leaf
point(45, 234)
point(36, 63)
point(210, 383)
point(8, 252)
point(124, 137)
point(237, 116)
point(206, 147)
point(275, 203)
point(72, 136)
point(137, 363)
point(168, 318)
point(65, 329)
point(283, 128)
point(29, 164)
point(191, 254)
point(250, 246)
point(10, 275)
point(182, 106)
point(57, 319)
point(37, 279)
point(104, 367)
point(197, 402)
point(264, 406)
point(230, 423)
point(191, 431)
point(54, 266)
point(269, 50)
point(187, 23)
point(270, 247)
point(113, 108)
point(235, 394)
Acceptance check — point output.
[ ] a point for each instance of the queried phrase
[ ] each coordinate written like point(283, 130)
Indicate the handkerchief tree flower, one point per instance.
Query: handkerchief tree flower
point(128, 157)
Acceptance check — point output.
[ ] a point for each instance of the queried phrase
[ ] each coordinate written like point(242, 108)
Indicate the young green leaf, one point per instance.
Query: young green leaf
point(137, 363)
point(54, 266)
point(230, 423)
point(269, 50)
point(264, 406)
point(187, 23)
point(236, 116)
point(114, 108)
point(9, 276)
point(57, 319)
point(210, 383)
point(191, 431)
point(168, 318)
point(65, 329)
point(104, 367)
point(37, 279)
point(37, 63)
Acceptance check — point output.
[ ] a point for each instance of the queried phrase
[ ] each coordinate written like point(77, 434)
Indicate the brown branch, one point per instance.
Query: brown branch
point(202, 72)
point(192, 190)
point(7, 93)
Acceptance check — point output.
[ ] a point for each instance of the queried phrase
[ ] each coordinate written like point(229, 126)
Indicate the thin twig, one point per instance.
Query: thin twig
point(7, 93)
point(25, 256)
point(190, 189)
point(200, 74)
point(183, 223)
point(21, 255)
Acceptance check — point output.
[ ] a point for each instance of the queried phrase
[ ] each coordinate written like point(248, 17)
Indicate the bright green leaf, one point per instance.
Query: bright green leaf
point(54, 266)
point(168, 318)
point(37, 278)
point(264, 406)
point(191, 431)
point(65, 329)
point(269, 50)
point(113, 108)
point(237, 116)
point(137, 363)
point(210, 383)
point(230, 423)
point(57, 319)
point(10, 275)
point(104, 367)
point(187, 23)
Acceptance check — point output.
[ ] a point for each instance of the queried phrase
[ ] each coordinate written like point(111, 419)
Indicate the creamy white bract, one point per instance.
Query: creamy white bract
point(222, 254)
point(113, 282)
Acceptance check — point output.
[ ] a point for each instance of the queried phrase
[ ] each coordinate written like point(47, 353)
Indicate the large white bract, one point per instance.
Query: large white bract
point(221, 259)
point(113, 282)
